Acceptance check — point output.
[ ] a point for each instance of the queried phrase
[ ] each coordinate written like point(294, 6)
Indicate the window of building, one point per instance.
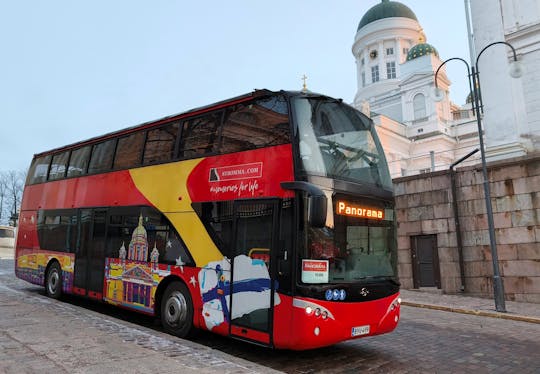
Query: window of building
point(390, 70)
point(78, 162)
point(200, 136)
point(160, 144)
point(375, 73)
point(102, 157)
point(129, 151)
point(262, 123)
point(362, 61)
point(419, 106)
point(363, 79)
point(405, 51)
point(389, 51)
point(58, 166)
point(425, 171)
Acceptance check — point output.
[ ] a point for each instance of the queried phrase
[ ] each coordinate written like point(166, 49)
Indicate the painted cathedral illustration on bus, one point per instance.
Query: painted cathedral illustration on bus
point(129, 279)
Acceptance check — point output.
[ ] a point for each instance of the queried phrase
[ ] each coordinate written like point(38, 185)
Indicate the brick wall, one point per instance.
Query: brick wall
point(424, 206)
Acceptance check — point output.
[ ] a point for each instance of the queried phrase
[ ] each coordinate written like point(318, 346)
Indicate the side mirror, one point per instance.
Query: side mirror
point(317, 206)
point(317, 202)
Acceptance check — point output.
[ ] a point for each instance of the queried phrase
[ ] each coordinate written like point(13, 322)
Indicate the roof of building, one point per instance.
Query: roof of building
point(420, 50)
point(386, 9)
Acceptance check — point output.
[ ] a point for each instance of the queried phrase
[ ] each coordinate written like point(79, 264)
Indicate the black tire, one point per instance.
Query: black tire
point(177, 310)
point(53, 281)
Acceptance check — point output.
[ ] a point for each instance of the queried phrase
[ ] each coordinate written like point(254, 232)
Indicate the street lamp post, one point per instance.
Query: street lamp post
point(474, 86)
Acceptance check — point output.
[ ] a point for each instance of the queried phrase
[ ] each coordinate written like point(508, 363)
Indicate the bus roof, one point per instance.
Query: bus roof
point(145, 125)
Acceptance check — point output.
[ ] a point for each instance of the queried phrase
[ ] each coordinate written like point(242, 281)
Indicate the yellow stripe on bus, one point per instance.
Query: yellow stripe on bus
point(166, 187)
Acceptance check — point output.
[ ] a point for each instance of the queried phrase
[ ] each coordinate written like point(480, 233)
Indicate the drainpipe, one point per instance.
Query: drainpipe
point(456, 216)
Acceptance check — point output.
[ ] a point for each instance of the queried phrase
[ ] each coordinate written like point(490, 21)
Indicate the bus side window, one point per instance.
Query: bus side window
point(200, 136)
point(160, 144)
point(262, 123)
point(129, 151)
point(38, 170)
point(58, 166)
point(102, 157)
point(78, 162)
point(217, 218)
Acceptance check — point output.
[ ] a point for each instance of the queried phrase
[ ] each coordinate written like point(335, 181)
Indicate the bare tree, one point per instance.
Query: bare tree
point(11, 190)
point(3, 192)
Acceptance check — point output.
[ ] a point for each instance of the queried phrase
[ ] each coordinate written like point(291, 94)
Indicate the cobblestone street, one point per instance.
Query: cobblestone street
point(38, 334)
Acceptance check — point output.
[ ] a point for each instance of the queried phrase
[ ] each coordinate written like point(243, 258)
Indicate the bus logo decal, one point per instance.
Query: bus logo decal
point(236, 172)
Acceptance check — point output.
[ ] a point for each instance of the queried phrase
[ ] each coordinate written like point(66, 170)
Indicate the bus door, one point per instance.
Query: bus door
point(252, 288)
point(90, 253)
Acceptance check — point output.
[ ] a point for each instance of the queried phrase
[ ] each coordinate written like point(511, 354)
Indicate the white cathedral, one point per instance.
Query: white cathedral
point(395, 78)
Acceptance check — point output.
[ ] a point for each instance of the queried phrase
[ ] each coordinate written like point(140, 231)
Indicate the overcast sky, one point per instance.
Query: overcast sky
point(71, 70)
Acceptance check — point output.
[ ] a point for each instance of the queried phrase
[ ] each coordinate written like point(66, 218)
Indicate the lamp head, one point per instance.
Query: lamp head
point(437, 94)
point(515, 70)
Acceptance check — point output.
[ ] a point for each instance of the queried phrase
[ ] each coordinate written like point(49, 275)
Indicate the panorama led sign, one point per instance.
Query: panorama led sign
point(351, 210)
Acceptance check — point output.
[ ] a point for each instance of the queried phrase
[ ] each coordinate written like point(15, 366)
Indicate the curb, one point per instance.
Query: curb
point(480, 313)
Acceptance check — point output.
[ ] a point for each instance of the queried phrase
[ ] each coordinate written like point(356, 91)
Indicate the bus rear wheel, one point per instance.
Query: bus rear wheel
point(53, 281)
point(177, 310)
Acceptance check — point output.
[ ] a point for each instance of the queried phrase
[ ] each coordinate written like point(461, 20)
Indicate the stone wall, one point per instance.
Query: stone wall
point(424, 206)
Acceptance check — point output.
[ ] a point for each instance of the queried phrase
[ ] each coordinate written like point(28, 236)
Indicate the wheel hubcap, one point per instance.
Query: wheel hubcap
point(54, 279)
point(176, 309)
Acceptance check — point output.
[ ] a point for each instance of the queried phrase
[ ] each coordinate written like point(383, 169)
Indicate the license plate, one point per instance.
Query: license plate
point(360, 330)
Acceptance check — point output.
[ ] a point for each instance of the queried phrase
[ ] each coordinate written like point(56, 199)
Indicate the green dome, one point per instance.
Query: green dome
point(386, 9)
point(420, 50)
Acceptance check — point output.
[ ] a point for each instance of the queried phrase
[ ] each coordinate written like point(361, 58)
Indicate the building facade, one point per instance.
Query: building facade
point(395, 78)
point(443, 235)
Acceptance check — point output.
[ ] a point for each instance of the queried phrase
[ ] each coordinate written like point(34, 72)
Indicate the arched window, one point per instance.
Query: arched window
point(419, 106)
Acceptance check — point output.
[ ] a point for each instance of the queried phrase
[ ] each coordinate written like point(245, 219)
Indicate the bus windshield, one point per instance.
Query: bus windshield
point(357, 244)
point(336, 141)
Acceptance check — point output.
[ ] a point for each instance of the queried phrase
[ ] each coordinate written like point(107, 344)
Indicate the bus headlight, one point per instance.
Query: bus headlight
point(309, 310)
point(317, 331)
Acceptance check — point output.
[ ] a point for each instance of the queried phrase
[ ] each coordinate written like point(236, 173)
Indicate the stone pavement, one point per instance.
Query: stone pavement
point(517, 311)
point(41, 335)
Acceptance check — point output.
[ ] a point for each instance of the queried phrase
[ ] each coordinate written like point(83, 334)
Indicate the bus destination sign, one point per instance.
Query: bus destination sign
point(345, 208)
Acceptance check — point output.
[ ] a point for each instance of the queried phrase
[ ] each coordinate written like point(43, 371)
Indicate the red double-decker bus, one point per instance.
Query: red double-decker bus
point(268, 217)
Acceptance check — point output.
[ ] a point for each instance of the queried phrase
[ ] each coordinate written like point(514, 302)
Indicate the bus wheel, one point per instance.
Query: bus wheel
point(177, 310)
point(53, 281)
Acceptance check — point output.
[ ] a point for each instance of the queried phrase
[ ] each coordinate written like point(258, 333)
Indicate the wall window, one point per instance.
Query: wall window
point(78, 162)
point(58, 166)
point(405, 51)
point(160, 144)
point(389, 51)
point(419, 106)
point(200, 136)
point(375, 73)
point(390, 70)
point(102, 157)
point(129, 151)
point(362, 61)
point(262, 123)
point(363, 79)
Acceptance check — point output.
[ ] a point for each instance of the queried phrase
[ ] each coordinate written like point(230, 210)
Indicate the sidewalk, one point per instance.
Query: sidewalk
point(517, 311)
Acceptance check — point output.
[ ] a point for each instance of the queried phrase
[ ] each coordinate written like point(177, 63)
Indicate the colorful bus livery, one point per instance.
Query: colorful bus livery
point(268, 217)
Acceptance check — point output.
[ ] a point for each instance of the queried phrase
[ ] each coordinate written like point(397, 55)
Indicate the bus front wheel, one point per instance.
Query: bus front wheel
point(177, 310)
point(53, 281)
